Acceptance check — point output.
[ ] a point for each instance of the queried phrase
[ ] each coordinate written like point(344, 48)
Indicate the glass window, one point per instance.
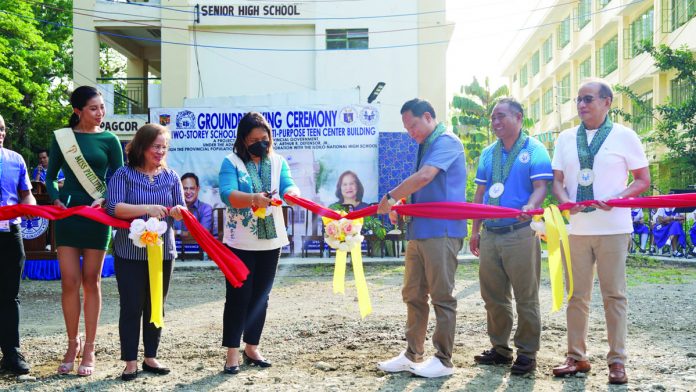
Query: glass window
point(523, 76)
point(680, 91)
point(584, 13)
point(602, 3)
point(548, 50)
point(535, 111)
point(337, 39)
point(547, 100)
point(564, 89)
point(642, 114)
point(585, 69)
point(535, 63)
point(607, 59)
point(641, 30)
point(563, 33)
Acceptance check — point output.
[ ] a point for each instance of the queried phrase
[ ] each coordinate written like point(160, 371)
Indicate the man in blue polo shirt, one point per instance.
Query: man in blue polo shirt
point(15, 188)
point(512, 172)
point(431, 256)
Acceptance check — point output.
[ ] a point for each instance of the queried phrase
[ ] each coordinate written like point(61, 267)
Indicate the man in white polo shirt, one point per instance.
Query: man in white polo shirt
point(592, 162)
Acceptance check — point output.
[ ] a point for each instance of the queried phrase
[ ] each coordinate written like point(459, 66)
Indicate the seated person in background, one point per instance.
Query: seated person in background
point(349, 191)
point(39, 173)
point(669, 227)
point(640, 229)
point(202, 211)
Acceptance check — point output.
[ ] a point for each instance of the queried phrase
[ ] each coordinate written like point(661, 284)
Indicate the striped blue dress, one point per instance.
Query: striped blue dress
point(130, 186)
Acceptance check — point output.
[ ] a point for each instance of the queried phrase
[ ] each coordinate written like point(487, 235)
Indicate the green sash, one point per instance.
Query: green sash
point(502, 171)
point(586, 156)
point(265, 227)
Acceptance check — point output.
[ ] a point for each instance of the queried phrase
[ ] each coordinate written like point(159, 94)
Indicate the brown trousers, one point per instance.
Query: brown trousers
point(608, 253)
point(430, 268)
point(510, 263)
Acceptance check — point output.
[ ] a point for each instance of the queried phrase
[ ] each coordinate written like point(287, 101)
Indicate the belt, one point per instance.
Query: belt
point(508, 228)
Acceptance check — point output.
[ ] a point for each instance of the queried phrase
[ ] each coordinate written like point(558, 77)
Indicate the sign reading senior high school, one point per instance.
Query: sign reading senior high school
point(250, 10)
point(319, 143)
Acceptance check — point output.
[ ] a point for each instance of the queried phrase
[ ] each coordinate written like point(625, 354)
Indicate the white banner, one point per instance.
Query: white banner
point(319, 143)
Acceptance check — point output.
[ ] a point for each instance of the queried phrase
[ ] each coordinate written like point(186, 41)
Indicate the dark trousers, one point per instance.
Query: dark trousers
point(245, 307)
point(11, 264)
point(133, 282)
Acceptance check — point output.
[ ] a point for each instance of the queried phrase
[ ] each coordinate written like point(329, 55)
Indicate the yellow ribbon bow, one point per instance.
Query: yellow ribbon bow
point(339, 277)
point(558, 247)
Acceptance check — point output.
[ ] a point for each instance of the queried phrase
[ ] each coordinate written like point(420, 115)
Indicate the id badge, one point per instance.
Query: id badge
point(5, 226)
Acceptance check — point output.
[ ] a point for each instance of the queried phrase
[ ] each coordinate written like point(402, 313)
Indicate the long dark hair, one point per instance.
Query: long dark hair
point(247, 124)
point(361, 189)
point(143, 139)
point(78, 100)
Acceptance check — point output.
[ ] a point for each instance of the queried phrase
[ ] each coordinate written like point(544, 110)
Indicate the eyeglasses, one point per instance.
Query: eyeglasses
point(587, 99)
point(159, 147)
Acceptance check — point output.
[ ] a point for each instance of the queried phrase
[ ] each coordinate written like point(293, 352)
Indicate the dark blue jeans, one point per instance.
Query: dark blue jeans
point(245, 307)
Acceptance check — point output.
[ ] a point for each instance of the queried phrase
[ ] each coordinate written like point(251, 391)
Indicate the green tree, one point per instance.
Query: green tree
point(33, 73)
point(675, 120)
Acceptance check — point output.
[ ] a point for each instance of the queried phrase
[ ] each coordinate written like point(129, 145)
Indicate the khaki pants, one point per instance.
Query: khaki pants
point(430, 268)
point(609, 253)
point(511, 261)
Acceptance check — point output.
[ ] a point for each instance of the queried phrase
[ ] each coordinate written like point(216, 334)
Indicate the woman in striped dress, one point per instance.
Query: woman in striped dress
point(142, 189)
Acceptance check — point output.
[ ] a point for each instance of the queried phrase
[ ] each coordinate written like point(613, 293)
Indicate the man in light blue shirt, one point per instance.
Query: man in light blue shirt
point(431, 256)
point(39, 172)
point(15, 188)
point(512, 172)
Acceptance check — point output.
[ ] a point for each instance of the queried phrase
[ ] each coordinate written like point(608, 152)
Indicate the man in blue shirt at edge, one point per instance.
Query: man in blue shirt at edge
point(15, 188)
point(509, 252)
point(431, 256)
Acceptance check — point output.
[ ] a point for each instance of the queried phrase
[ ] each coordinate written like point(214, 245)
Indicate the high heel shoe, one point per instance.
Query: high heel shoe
point(255, 362)
point(86, 368)
point(66, 367)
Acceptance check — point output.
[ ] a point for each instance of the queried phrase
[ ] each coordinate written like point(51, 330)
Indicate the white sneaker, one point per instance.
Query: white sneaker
point(397, 364)
point(431, 368)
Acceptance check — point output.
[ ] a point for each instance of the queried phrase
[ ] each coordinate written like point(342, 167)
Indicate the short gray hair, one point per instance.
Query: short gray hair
point(605, 90)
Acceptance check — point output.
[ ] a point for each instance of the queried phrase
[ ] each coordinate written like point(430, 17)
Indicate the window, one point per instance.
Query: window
point(548, 50)
point(642, 114)
point(602, 3)
point(563, 33)
point(680, 91)
point(547, 100)
point(564, 89)
point(641, 30)
point(535, 111)
point(682, 11)
point(337, 39)
point(675, 13)
point(535, 63)
point(607, 60)
point(585, 69)
point(584, 14)
point(523, 76)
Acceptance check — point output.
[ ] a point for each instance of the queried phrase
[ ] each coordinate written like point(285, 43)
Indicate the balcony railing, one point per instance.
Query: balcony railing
point(130, 94)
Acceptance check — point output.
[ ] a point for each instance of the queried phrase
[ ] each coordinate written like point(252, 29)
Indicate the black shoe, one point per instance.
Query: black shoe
point(255, 362)
point(15, 363)
point(156, 370)
point(491, 357)
point(677, 254)
point(230, 370)
point(523, 365)
point(129, 376)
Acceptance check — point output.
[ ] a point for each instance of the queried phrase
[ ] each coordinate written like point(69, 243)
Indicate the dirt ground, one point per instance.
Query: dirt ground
point(317, 340)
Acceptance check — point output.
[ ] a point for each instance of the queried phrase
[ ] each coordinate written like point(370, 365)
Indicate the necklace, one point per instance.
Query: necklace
point(151, 175)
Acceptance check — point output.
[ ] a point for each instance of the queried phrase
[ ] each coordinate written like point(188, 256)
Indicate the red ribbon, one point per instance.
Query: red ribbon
point(463, 210)
point(231, 266)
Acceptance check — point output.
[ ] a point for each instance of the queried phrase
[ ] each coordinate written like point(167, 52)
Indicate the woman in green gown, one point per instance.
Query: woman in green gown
point(77, 236)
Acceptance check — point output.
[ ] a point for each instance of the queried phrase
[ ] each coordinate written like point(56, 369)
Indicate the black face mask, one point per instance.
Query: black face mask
point(259, 149)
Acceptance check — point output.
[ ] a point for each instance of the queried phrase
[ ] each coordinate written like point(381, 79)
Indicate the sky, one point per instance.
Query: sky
point(486, 34)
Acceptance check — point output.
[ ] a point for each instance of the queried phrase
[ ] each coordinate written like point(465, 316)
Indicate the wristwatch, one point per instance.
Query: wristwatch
point(390, 199)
